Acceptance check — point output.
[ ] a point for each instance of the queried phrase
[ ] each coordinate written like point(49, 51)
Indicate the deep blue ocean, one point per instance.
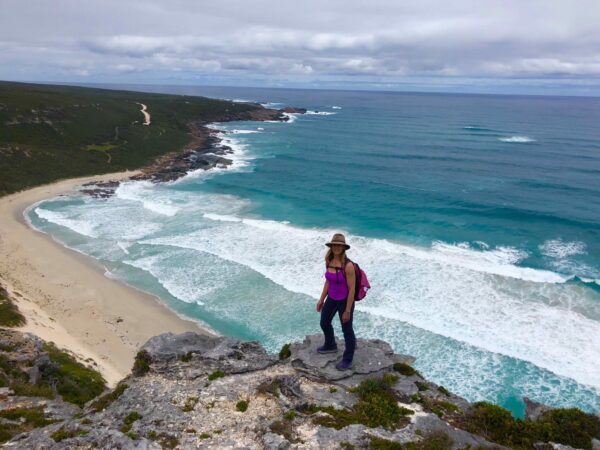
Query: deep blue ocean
point(476, 217)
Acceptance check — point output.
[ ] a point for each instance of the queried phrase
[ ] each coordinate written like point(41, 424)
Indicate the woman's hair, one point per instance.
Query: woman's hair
point(329, 257)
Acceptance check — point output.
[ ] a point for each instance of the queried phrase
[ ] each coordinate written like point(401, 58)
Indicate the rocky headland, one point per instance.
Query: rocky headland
point(204, 151)
point(196, 391)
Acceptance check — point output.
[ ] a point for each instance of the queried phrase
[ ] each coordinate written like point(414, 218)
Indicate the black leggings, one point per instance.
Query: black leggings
point(330, 308)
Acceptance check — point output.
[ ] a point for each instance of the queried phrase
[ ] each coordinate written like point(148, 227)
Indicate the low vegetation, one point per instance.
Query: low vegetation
point(9, 313)
point(285, 352)
point(216, 374)
point(74, 382)
point(103, 402)
point(377, 406)
point(405, 369)
point(568, 426)
point(53, 132)
point(141, 364)
point(19, 420)
point(62, 433)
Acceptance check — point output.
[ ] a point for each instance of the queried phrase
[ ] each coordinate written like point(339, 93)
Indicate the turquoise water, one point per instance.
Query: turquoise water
point(476, 218)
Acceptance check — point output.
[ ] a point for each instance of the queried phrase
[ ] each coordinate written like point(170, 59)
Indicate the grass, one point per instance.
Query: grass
point(62, 433)
point(216, 374)
point(377, 407)
point(9, 313)
point(129, 420)
point(103, 402)
point(52, 132)
point(28, 418)
point(64, 375)
point(74, 382)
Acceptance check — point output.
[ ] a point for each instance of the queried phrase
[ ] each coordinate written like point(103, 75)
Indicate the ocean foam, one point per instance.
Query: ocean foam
point(291, 116)
point(485, 300)
point(517, 139)
point(557, 248)
point(83, 227)
point(244, 131)
point(135, 190)
point(319, 113)
point(336, 107)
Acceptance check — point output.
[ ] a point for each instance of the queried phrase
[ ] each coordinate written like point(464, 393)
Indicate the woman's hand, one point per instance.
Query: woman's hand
point(346, 316)
point(320, 305)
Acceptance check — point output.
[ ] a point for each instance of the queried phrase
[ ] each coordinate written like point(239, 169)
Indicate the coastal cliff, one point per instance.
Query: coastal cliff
point(196, 391)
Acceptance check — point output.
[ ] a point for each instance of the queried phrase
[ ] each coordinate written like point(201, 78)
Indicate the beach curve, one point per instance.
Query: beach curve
point(66, 296)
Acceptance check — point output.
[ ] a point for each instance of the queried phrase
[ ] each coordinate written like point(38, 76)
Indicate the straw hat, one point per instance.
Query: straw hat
point(338, 238)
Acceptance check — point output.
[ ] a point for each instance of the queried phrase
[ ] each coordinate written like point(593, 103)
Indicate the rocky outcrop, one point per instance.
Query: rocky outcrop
point(196, 391)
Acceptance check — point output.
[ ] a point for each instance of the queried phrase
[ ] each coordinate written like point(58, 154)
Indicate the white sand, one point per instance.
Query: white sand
point(65, 295)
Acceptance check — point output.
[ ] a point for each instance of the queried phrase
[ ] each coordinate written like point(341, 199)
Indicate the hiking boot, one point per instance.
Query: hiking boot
point(322, 349)
point(343, 365)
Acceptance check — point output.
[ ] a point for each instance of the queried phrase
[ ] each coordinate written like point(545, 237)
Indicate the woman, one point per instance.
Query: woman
point(339, 290)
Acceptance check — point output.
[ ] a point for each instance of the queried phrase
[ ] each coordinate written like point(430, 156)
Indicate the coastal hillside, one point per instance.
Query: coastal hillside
point(53, 132)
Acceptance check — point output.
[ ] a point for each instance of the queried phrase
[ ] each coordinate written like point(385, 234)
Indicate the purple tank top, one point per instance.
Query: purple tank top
point(338, 287)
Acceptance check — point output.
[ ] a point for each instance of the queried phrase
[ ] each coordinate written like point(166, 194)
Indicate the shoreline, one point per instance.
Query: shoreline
point(66, 296)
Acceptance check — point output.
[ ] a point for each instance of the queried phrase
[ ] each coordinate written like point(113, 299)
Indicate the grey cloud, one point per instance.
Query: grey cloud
point(312, 41)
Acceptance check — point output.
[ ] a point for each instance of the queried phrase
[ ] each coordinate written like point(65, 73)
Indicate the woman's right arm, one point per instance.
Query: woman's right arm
point(323, 295)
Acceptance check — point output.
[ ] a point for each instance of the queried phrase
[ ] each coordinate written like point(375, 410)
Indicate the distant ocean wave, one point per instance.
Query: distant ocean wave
point(517, 139)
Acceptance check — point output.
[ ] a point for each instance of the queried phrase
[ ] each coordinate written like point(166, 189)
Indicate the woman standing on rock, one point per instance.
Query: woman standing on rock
point(338, 297)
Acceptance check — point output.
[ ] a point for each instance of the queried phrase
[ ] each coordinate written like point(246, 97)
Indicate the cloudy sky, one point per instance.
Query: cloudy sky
point(503, 46)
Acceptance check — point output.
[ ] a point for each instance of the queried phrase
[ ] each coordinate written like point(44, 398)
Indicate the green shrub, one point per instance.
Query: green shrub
point(129, 420)
point(377, 406)
point(421, 386)
point(141, 365)
point(32, 390)
point(204, 436)
point(9, 313)
point(103, 402)
point(569, 426)
point(242, 405)
point(444, 391)
point(32, 416)
point(187, 357)
point(290, 415)
point(216, 374)
point(62, 434)
point(285, 352)
point(74, 382)
point(404, 369)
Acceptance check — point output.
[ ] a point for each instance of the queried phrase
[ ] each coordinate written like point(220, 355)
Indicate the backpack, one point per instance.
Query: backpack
point(361, 283)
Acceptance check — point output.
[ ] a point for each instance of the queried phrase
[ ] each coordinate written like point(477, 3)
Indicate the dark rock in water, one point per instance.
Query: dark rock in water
point(100, 189)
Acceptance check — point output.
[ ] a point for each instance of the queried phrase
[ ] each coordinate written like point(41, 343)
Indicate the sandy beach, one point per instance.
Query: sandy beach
point(67, 298)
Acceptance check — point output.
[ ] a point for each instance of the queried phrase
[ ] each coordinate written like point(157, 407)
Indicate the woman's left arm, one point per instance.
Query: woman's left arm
point(350, 279)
